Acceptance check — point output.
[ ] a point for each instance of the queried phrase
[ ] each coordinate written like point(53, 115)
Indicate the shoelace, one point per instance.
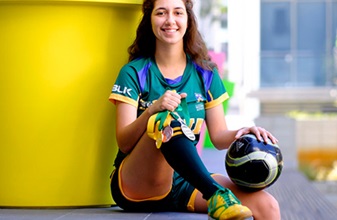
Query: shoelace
point(219, 195)
point(228, 197)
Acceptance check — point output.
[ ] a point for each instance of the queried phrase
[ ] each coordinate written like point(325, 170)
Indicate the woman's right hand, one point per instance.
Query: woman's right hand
point(170, 100)
point(129, 128)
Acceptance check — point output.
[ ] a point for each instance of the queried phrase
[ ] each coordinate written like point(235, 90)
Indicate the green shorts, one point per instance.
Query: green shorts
point(180, 199)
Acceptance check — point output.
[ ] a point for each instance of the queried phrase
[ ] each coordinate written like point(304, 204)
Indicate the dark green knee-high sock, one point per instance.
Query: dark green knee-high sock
point(183, 157)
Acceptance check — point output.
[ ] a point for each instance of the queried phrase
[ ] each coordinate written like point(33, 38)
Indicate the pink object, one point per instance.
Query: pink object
point(219, 59)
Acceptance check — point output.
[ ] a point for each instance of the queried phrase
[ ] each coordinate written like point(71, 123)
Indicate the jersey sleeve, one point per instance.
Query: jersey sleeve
point(216, 93)
point(126, 88)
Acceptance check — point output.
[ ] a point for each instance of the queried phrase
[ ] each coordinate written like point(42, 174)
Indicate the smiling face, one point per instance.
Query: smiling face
point(169, 21)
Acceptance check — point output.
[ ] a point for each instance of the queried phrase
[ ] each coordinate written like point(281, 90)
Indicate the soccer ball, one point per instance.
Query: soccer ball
point(252, 164)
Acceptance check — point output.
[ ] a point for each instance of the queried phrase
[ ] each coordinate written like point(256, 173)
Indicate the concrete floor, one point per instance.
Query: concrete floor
point(299, 200)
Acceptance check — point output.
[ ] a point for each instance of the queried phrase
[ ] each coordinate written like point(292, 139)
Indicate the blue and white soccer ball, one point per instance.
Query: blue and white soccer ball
point(252, 164)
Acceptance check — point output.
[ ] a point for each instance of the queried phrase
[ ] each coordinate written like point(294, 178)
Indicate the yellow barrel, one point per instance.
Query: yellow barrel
point(58, 62)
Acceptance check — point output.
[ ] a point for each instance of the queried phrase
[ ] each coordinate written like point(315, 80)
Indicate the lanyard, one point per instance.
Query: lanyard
point(163, 118)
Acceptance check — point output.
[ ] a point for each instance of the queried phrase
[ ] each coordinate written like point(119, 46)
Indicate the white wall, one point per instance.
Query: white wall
point(243, 52)
point(243, 36)
point(209, 29)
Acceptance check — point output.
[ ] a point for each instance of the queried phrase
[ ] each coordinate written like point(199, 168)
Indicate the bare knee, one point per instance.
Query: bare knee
point(267, 207)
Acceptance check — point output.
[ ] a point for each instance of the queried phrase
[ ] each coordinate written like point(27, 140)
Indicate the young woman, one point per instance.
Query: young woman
point(163, 95)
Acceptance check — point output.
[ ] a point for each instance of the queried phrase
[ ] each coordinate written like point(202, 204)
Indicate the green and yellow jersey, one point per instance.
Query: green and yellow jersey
point(140, 83)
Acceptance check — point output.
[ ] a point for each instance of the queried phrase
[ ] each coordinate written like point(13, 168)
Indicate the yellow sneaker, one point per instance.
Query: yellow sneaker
point(223, 205)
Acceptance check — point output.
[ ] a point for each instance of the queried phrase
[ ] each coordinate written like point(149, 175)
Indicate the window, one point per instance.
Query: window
point(275, 44)
point(297, 43)
point(275, 30)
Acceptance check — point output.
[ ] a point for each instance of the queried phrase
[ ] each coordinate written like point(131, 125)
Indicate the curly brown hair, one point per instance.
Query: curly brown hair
point(145, 43)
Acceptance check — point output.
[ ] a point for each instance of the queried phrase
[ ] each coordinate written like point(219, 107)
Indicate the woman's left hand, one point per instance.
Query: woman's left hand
point(260, 133)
